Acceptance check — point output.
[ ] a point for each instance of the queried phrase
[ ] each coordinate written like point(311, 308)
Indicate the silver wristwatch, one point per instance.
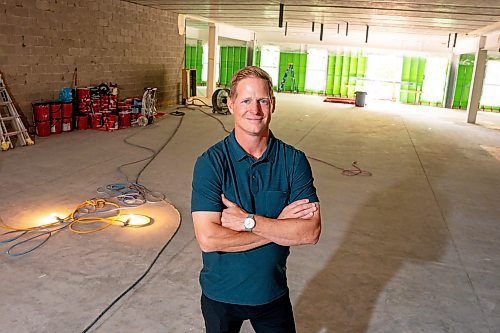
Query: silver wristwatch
point(249, 223)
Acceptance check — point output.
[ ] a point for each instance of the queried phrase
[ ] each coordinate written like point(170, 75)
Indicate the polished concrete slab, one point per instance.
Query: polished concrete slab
point(413, 248)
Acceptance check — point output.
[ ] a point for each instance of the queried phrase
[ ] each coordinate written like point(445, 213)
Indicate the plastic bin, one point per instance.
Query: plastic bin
point(360, 98)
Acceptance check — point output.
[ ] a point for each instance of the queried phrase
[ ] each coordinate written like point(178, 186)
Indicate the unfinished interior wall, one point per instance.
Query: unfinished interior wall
point(43, 41)
point(194, 58)
point(299, 61)
point(346, 71)
point(232, 58)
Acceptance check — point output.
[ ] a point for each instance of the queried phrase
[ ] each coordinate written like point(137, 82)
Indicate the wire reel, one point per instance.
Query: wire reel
point(219, 101)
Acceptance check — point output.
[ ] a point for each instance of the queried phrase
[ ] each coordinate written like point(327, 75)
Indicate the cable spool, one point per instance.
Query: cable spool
point(142, 121)
point(219, 101)
point(103, 89)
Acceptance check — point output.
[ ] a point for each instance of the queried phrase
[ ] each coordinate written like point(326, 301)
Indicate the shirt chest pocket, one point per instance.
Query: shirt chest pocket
point(275, 201)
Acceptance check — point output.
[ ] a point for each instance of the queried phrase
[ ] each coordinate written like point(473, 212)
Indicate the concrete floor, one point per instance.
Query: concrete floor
point(414, 248)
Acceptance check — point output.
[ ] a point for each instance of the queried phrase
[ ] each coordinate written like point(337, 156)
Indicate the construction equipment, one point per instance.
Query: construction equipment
point(219, 101)
point(148, 109)
point(11, 121)
point(294, 84)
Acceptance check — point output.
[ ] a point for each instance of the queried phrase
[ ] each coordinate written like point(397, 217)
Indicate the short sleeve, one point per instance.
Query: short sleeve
point(206, 186)
point(302, 183)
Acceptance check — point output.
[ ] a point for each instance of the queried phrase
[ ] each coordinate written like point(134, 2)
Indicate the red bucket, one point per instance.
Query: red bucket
point(67, 110)
point(55, 110)
point(111, 122)
point(55, 126)
point(55, 107)
point(67, 124)
point(84, 108)
point(83, 93)
point(82, 122)
point(96, 105)
point(41, 112)
point(43, 128)
point(106, 113)
point(125, 119)
point(96, 120)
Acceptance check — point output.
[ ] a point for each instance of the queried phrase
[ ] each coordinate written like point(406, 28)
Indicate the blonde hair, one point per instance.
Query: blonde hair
point(250, 72)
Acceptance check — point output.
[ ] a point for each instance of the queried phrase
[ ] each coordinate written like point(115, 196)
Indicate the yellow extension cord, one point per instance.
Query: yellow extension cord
point(93, 204)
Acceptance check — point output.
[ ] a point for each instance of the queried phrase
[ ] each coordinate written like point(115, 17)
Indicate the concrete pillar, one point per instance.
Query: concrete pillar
point(252, 51)
point(477, 81)
point(213, 41)
point(452, 80)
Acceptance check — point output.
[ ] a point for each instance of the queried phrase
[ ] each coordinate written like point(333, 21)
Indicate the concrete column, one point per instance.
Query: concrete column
point(213, 41)
point(452, 80)
point(477, 81)
point(251, 52)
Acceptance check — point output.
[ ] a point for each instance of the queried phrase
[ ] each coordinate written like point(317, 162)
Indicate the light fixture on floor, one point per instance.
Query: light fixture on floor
point(135, 221)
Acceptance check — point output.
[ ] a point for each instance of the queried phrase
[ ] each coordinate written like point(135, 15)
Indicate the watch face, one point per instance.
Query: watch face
point(249, 223)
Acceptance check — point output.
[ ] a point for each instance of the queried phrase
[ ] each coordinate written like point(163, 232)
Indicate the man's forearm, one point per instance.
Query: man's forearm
point(288, 232)
point(226, 240)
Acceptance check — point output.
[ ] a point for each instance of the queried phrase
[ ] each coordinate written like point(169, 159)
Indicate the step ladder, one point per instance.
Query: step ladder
point(11, 124)
point(294, 84)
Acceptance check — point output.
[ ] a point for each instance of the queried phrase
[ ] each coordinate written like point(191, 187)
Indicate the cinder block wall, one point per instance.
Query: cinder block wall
point(43, 41)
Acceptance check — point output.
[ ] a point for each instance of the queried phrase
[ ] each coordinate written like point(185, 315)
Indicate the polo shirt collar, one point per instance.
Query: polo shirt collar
point(240, 154)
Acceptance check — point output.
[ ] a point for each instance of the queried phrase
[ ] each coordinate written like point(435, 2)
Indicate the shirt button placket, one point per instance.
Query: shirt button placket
point(252, 179)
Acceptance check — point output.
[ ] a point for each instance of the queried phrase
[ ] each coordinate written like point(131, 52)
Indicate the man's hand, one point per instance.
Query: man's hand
point(300, 209)
point(233, 216)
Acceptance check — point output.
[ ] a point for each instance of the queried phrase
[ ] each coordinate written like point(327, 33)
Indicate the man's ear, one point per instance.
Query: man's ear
point(230, 104)
point(273, 104)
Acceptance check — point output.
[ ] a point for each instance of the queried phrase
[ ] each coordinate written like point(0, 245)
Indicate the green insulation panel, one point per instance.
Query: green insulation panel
point(412, 79)
point(330, 74)
point(351, 81)
point(337, 77)
point(232, 58)
point(299, 61)
point(194, 59)
point(344, 81)
point(346, 71)
point(257, 58)
point(463, 81)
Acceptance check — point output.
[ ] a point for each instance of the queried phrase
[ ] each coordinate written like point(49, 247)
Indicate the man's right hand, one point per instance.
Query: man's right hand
point(300, 209)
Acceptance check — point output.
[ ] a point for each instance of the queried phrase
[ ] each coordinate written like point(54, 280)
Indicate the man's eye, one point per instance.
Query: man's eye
point(264, 101)
point(245, 101)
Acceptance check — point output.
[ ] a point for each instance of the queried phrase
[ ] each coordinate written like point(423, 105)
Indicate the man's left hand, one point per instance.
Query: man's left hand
point(233, 216)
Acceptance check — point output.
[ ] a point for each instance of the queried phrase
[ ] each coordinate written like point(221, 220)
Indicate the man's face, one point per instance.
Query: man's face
point(252, 108)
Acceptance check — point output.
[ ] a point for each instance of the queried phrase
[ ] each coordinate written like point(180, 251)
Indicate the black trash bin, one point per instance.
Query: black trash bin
point(360, 98)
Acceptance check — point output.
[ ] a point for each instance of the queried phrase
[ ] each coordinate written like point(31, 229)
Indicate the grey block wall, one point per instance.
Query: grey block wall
point(43, 41)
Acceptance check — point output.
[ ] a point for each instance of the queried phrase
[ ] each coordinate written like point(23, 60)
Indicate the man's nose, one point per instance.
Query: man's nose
point(255, 106)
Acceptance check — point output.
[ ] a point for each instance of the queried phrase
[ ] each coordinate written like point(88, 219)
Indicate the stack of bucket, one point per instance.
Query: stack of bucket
point(52, 117)
point(55, 118)
point(41, 114)
point(124, 114)
point(67, 116)
point(84, 108)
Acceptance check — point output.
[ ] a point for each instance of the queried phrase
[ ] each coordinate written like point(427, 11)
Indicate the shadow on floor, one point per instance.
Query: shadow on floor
point(390, 229)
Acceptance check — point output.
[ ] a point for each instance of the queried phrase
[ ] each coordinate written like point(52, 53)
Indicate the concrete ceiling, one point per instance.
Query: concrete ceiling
point(433, 26)
point(425, 17)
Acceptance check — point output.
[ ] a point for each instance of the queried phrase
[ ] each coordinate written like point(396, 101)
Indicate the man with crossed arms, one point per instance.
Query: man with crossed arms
point(253, 197)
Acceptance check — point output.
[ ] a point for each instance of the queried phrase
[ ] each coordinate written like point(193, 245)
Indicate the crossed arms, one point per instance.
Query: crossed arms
point(298, 223)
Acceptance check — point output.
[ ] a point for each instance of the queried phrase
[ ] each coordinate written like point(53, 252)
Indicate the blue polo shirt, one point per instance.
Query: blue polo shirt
point(264, 187)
